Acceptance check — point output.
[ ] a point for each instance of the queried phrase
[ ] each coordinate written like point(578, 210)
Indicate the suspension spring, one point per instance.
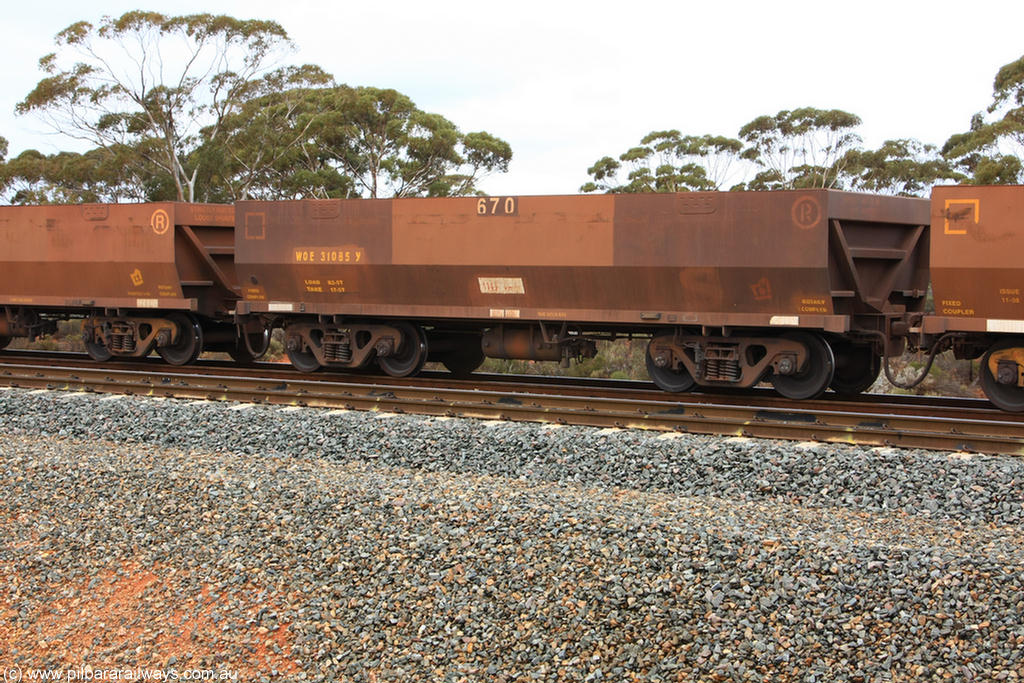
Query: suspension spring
point(124, 343)
point(337, 348)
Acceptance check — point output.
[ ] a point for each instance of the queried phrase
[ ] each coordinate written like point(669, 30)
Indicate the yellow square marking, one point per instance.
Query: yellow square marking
point(970, 202)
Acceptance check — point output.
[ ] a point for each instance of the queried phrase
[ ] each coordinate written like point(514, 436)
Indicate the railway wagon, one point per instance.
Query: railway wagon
point(808, 288)
point(141, 276)
point(978, 284)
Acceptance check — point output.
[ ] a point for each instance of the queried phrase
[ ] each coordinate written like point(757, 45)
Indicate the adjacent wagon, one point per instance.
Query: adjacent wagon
point(143, 277)
point(977, 236)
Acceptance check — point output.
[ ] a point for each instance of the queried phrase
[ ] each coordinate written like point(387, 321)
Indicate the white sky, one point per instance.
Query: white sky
point(566, 83)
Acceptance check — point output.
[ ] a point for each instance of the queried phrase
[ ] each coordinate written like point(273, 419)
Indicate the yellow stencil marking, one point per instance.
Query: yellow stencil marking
point(974, 203)
point(160, 221)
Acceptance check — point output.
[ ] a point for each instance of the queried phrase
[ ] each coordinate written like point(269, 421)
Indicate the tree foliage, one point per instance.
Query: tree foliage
point(800, 148)
point(990, 151)
point(269, 148)
point(149, 83)
point(69, 177)
point(343, 141)
point(793, 149)
point(190, 108)
point(898, 167)
point(389, 147)
point(667, 161)
point(1008, 88)
point(5, 178)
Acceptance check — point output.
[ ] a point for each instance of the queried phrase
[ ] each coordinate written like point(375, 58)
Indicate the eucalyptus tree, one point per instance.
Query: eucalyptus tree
point(149, 83)
point(389, 147)
point(343, 141)
point(992, 149)
point(667, 161)
point(1008, 105)
point(799, 148)
point(4, 178)
point(269, 148)
point(904, 167)
point(69, 178)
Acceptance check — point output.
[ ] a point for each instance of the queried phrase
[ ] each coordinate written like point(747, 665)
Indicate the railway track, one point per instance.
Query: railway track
point(883, 420)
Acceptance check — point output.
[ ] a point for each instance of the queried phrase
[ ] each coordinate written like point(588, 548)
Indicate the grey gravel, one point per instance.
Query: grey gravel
point(314, 545)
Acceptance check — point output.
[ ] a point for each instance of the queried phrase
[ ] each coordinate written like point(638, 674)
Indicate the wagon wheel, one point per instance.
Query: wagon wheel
point(465, 359)
point(816, 375)
point(304, 361)
point(857, 368)
point(98, 351)
point(250, 347)
point(1008, 397)
point(410, 355)
point(189, 344)
point(669, 379)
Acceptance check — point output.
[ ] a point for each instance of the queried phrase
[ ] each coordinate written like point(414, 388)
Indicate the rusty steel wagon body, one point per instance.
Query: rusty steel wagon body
point(977, 242)
point(807, 288)
point(141, 276)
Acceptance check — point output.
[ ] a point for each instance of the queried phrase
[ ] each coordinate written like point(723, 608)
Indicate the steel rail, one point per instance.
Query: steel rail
point(965, 425)
point(537, 383)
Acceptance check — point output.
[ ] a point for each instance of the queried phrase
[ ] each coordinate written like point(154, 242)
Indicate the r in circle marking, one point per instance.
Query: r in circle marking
point(806, 213)
point(160, 221)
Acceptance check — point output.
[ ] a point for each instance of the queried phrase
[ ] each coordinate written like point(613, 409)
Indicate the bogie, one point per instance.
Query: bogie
point(1002, 374)
point(687, 358)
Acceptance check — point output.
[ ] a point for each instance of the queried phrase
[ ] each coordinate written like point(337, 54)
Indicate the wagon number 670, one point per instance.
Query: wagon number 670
point(497, 206)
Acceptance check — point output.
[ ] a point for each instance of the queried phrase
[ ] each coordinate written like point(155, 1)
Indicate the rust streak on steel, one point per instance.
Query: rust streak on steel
point(840, 422)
